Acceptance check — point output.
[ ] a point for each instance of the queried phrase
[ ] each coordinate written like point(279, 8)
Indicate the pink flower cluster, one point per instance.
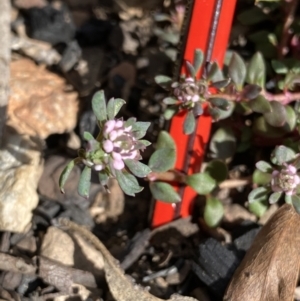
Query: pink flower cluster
point(119, 143)
point(186, 91)
point(285, 180)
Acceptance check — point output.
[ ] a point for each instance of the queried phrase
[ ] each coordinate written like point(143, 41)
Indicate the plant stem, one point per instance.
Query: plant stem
point(180, 178)
point(4, 63)
point(290, 9)
point(284, 98)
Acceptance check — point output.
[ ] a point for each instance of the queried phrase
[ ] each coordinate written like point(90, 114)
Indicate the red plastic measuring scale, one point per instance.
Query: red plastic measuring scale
point(209, 29)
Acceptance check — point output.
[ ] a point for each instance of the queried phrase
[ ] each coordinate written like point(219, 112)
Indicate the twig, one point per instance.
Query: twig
point(50, 271)
point(4, 62)
point(284, 98)
point(290, 9)
point(168, 176)
point(234, 183)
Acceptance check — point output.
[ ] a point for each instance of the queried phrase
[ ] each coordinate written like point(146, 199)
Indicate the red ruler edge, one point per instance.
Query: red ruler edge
point(209, 17)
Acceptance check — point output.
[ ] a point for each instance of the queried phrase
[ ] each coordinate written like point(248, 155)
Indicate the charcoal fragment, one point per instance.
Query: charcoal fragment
point(52, 24)
point(215, 266)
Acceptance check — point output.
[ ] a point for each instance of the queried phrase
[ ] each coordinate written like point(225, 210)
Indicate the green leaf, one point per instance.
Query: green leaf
point(85, 182)
point(202, 183)
point(213, 212)
point(258, 194)
point(259, 207)
point(274, 197)
point(212, 70)
point(191, 69)
point(170, 112)
point(277, 116)
point(221, 83)
point(217, 170)
point(128, 182)
point(130, 122)
point(291, 119)
point(197, 109)
point(163, 80)
point(279, 67)
point(282, 154)
point(198, 60)
point(140, 128)
point(113, 107)
point(221, 103)
point(251, 91)
point(164, 192)
point(256, 73)
point(296, 202)
point(137, 168)
point(66, 173)
point(261, 178)
point(103, 178)
point(88, 136)
point(99, 105)
point(251, 16)
point(260, 105)
point(189, 123)
point(237, 70)
point(263, 166)
point(223, 143)
point(162, 159)
point(262, 128)
point(170, 100)
point(165, 140)
point(145, 142)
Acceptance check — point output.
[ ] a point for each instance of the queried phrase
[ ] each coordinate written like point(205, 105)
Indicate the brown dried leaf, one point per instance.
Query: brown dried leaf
point(269, 271)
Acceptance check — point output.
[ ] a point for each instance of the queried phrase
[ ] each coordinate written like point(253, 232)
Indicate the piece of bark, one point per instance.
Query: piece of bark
point(120, 286)
point(269, 271)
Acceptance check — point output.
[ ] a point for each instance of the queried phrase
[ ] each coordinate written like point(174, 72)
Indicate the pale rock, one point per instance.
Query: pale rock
point(39, 104)
point(86, 257)
point(21, 167)
point(59, 246)
point(235, 213)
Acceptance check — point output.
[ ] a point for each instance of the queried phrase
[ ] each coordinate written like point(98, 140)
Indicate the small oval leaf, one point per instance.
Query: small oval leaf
point(261, 178)
point(217, 170)
point(223, 143)
point(274, 197)
point(85, 182)
point(189, 123)
point(256, 73)
point(165, 140)
point(260, 105)
point(258, 194)
point(99, 105)
point(237, 70)
point(162, 159)
point(137, 168)
point(277, 116)
point(202, 183)
point(263, 166)
point(164, 192)
point(113, 107)
point(213, 212)
point(128, 182)
point(282, 154)
point(198, 60)
point(65, 174)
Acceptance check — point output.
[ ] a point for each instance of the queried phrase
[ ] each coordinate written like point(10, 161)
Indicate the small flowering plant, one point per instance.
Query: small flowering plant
point(279, 180)
point(116, 152)
point(213, 91)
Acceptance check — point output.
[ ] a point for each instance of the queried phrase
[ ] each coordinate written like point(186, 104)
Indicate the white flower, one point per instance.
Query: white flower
point(119, 143)
point(286, 180)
